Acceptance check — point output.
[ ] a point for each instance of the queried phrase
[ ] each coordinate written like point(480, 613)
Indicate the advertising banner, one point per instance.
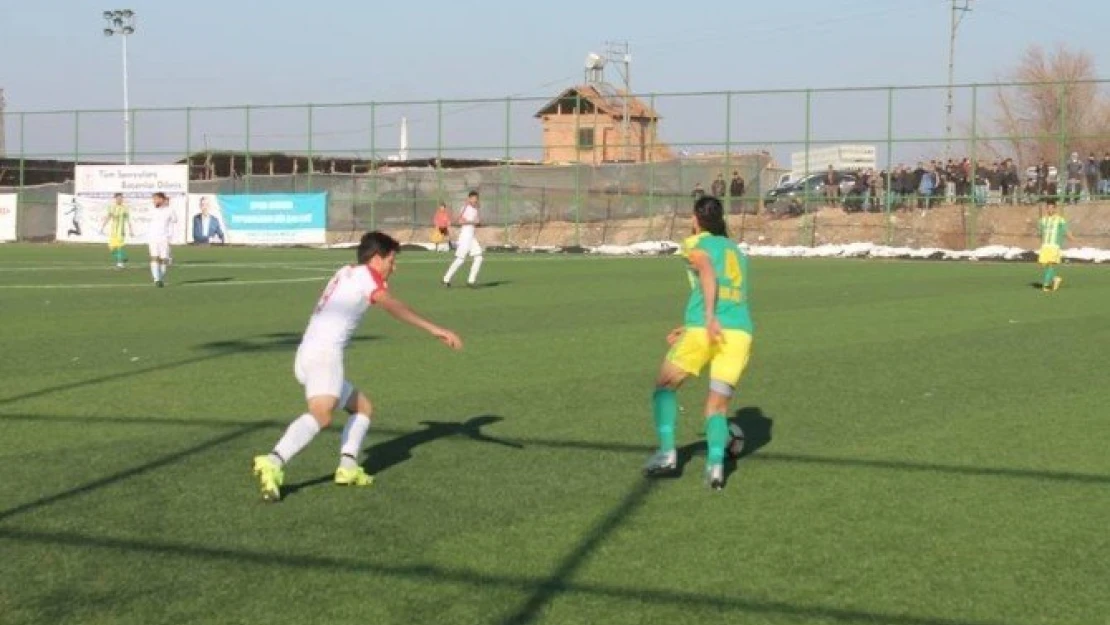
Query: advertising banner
point(268, 219)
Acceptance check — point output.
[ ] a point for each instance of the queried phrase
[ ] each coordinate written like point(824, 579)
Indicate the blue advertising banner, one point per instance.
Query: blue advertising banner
point(274, 218)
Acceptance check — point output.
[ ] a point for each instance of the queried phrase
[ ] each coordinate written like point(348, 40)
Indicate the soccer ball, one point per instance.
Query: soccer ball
point(735, 441)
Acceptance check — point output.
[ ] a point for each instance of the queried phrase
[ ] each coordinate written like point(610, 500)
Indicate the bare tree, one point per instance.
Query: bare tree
point(1056, 108)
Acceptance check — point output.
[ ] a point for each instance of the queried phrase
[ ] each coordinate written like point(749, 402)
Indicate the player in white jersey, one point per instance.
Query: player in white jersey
point(319, 363)
point(468, 220)
point(158, 235)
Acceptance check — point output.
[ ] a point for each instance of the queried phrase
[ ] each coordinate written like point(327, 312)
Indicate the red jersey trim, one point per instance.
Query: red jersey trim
point(380, 285)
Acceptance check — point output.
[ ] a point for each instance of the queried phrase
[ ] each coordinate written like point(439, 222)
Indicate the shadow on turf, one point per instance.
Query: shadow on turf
point(606, 590)
point(206, 280)
point(757, 434)
point(271, 342)
point(216, 349)
point(390, 453)
point(492, 285)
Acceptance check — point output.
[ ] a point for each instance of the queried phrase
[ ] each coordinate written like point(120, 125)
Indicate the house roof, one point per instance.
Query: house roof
point(607, 100)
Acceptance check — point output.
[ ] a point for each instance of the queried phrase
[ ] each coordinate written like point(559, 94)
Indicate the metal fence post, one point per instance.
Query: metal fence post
point(887, 195)
point(577, 169)
point(651, 170)
point(311, 164)
point(506, 171)
point(22, 169)
point(1062, 151)
point(973, 214)
point(249, 168)
point(439, 149)
point(373, 167)
point(805, 185)
point(76, 137)
point(728, 150)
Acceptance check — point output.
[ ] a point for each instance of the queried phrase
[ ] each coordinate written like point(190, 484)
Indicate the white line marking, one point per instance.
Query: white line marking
point(147, 285)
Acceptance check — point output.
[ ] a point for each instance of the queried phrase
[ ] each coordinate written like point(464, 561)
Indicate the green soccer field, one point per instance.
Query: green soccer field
point(928, 447)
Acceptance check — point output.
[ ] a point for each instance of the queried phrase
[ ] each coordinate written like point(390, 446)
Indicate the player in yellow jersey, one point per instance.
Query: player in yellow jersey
point(717, 331)
point(118, 217)
point(1053, 230)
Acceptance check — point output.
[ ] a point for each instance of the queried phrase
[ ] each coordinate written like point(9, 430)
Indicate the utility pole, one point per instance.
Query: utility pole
point(959, 9)
point(620, 54)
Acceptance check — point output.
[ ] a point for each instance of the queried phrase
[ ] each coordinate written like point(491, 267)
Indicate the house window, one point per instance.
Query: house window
point(586, 138)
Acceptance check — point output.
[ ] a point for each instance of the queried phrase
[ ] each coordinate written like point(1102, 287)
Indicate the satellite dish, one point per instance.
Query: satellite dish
point(594, 61)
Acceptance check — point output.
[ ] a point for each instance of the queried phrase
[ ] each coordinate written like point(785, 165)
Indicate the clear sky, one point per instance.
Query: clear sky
point(200, 53)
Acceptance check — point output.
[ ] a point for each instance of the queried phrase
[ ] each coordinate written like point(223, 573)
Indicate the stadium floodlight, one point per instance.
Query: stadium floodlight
point(122, 22)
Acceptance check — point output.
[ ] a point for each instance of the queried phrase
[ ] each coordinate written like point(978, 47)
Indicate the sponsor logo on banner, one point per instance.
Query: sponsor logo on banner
point(81, 215)
point(273, 218)
point(8, 206)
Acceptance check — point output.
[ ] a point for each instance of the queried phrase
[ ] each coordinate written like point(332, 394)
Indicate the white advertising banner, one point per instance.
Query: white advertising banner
point(81, 220)
point(81, 215)
point(8, 205)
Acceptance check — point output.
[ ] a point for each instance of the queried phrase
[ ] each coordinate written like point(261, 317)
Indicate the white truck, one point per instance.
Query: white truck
point(842, 158)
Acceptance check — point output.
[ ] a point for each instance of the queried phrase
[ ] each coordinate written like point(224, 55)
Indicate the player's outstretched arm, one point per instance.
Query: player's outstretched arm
point(401, 312)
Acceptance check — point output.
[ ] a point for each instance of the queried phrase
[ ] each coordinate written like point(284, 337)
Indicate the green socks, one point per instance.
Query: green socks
point(1049, 274)
point(664, 403)
point(716, 437)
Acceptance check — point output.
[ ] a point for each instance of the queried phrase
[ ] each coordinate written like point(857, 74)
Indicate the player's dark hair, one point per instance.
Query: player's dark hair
point(376, 244)
point(472, 194)
point(711, 215)
point(161, 195)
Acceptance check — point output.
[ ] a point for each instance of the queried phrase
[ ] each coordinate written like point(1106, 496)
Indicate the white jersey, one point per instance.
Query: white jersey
point(468, 217)
point(349, 293)
point(161, 227)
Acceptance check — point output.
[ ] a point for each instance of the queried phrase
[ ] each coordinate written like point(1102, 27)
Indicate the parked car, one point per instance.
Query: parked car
point(792, 198)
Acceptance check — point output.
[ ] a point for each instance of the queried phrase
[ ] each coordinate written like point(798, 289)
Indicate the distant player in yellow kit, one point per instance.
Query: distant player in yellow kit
point(1053, 230)
point(118, 218)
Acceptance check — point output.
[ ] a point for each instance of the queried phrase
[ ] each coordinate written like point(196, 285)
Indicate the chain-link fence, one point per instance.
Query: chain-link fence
point(591, 166)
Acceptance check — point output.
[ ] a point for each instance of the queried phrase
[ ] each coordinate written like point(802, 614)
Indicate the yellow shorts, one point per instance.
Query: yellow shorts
point(437, 236)
point(1049, 255)
point(727, 359)
point(114, 243)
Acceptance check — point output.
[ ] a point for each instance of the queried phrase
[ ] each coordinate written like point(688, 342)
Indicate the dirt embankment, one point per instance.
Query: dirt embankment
point(949, 227)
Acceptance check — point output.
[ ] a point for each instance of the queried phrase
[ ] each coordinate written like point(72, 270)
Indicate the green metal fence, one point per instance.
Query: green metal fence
point(499, 145)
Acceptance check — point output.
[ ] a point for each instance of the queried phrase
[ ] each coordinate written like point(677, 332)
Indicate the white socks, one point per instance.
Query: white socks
point(475, 265)
point(157, 270)
point(297, 436)
point(305, 428)
point(453, 268)
point(351, 440)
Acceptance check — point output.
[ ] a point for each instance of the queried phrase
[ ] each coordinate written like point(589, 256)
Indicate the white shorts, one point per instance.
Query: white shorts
point(321, 374)
point(467, 246)
point(159, 249)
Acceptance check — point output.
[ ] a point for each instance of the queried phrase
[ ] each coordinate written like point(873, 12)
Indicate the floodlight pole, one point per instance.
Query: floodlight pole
point(122, 22)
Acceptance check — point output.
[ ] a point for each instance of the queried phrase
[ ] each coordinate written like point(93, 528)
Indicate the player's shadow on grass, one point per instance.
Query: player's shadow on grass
point(207, 280)
point(266, 342)
point(491, 285)
point(390, 453)
point(757, 434)
point(1036, 285)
